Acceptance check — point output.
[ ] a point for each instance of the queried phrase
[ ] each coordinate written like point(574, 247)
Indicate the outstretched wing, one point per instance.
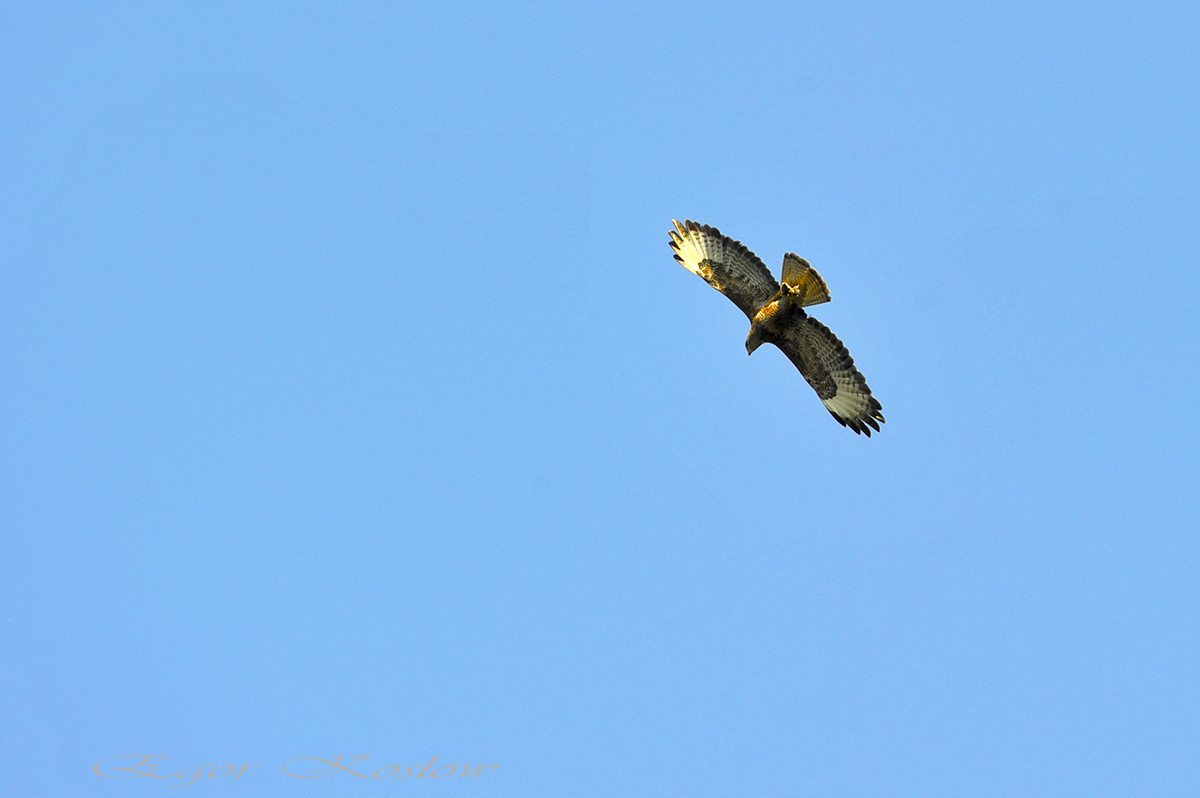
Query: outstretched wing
point(725, 264)
point(829, 369)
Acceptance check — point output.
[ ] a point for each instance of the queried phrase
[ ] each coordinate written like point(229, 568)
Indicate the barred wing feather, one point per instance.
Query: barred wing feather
point(726, 265)
point(829, 369)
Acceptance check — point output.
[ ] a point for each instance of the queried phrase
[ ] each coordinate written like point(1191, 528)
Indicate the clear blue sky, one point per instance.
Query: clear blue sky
point(353, 404)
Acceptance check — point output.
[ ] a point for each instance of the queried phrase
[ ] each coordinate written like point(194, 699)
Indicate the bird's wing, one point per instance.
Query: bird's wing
point(804, 278)
point(829, 369)
point(725, 264)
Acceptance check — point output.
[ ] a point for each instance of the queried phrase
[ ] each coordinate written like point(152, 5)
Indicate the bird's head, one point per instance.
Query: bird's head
point(754, 340)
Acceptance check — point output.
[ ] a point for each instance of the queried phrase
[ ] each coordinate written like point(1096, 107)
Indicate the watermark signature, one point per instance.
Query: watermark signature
point(145, 766)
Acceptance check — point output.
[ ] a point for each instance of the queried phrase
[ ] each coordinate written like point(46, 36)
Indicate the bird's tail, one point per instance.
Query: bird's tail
point(804, 279)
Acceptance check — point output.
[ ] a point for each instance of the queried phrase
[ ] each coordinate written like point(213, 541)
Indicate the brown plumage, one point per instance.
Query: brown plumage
point(776, 313)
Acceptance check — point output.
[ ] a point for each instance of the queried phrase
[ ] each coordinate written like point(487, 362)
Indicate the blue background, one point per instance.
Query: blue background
point(352, 402)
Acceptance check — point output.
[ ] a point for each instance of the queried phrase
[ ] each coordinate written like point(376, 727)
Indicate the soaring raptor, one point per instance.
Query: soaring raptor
point(776, 312)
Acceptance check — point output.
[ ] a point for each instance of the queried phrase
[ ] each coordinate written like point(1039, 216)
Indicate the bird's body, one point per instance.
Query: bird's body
point(777, 316)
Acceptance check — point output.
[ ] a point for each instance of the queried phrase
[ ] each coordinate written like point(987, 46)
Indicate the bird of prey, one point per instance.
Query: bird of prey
point(776, 312)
